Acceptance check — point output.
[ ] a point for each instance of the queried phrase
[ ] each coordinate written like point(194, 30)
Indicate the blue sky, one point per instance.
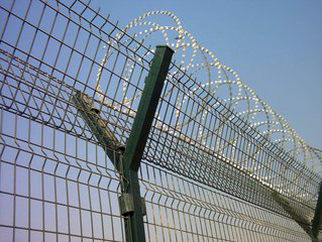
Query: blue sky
point(275, 46)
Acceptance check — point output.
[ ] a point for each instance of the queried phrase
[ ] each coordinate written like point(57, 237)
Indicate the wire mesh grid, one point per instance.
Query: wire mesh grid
point(57, 183)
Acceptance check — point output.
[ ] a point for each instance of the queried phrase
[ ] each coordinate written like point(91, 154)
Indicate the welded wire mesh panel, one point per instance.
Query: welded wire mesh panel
point(55, 47)
point(57, 187)
point(180, 209)
point(205, 141)
point(57, 184)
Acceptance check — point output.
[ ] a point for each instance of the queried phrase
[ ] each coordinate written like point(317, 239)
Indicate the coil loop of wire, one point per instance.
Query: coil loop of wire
point(218, 79)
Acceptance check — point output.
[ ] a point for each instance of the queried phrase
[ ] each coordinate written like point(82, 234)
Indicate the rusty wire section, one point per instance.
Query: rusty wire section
point(56, 183)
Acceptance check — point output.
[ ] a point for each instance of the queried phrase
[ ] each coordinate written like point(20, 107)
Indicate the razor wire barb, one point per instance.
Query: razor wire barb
point(193, 59)
point(218, 160)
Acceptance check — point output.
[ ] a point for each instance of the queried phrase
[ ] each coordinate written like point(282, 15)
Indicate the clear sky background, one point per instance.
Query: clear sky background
point(274, 45)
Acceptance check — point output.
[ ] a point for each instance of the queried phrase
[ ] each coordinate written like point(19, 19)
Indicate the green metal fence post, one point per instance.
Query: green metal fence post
point(128, 163)
point(139, 134)
point(316, 223)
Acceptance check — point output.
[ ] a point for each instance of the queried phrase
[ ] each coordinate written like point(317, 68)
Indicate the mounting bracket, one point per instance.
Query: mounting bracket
point(128, 163)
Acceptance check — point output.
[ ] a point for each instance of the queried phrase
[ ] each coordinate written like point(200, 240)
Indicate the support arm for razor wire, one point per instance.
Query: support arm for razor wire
point(129, 163)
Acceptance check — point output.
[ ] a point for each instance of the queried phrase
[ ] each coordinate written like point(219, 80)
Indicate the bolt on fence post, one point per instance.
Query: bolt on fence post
point(316, 222)
point(128, 163)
